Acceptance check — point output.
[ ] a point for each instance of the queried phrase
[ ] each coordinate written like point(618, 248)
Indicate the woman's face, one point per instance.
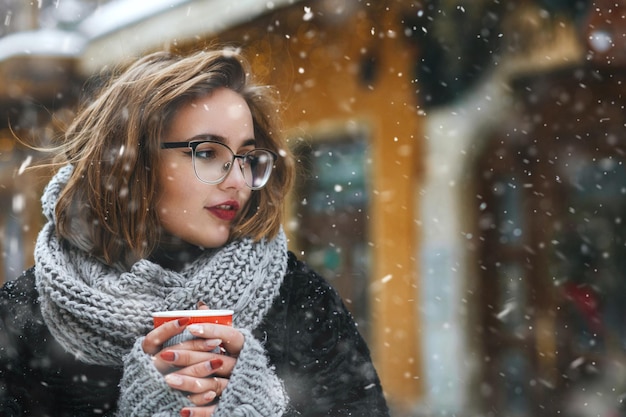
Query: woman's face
point(198, 213)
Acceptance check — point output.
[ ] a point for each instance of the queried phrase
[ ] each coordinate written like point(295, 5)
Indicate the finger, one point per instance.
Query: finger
point(208, 397)
point(199, 364)
point(155, 338)
point(195, 385)
point(176, 357)
point(203, 399)
point(198, 411)
point(199, 344)
point(163, 366)
point(232, 339)
point(171, 359)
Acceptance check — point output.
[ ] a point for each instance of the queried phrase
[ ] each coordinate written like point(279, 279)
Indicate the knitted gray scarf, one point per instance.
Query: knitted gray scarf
point(100, 314)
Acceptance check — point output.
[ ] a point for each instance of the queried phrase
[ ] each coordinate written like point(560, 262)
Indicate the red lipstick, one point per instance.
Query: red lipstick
point(225, 211)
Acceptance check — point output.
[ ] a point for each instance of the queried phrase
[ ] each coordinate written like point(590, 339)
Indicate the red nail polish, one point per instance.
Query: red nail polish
point(183, 321)
point(168, 355)
point(216, 363)
point(185, 413)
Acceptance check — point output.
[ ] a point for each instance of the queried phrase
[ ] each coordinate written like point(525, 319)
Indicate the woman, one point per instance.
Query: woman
point(170, 196)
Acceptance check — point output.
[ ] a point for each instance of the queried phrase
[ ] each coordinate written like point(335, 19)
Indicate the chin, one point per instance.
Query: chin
point(215, 243)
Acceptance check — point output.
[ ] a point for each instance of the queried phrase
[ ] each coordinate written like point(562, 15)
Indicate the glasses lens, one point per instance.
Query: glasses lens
point(257, 167)
point(212, 161)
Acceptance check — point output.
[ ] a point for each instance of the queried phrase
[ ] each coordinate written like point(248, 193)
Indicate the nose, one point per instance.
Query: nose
point(235, 178)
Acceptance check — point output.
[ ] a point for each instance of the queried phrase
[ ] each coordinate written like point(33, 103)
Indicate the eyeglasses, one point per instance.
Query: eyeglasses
point(212, 161)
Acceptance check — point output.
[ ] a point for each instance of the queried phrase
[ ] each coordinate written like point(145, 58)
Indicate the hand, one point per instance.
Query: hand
point(196, 360)
point(192, 366)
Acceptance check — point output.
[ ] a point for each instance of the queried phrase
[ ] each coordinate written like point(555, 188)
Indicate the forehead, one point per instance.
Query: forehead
point(223, 113)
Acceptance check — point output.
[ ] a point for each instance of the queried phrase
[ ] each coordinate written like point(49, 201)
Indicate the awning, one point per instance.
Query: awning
point(125, 29)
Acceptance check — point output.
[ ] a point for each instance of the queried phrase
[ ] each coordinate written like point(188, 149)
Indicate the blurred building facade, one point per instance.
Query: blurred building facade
point(343, 70)
point(462, 183)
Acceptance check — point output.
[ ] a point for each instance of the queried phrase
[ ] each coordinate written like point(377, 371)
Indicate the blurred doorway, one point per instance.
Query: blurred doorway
point(331, 208)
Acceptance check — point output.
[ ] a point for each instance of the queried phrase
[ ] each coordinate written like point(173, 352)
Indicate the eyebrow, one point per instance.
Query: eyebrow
point(220, 139)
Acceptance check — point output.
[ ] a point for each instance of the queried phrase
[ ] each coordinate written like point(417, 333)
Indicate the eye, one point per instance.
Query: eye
point(205, 154)
point(209, 151)
point(253, 158)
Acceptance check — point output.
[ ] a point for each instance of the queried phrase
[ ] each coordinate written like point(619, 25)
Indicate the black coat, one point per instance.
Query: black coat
point(309, 335)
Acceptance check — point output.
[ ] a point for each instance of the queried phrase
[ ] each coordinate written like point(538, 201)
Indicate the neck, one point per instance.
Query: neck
point(174, 253)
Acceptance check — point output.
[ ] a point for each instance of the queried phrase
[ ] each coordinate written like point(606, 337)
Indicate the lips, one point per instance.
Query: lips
point(225, 211)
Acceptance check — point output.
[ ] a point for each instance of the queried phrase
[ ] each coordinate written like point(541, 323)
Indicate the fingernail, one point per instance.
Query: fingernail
point(209, 396)
point(168, 355)
point(211, 344)
point(183, 321)
point(216, 363)
point(173, 379)
point(185, 413)
point(196, 329)
point(201, 304)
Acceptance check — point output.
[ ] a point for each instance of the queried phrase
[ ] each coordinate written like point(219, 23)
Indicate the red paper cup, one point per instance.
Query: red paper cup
point(197, 316)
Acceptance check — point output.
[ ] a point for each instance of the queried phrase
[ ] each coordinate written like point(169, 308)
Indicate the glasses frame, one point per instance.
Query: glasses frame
point(193, 145)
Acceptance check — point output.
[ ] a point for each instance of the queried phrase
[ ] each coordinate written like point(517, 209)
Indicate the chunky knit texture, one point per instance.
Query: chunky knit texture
point(100, 314)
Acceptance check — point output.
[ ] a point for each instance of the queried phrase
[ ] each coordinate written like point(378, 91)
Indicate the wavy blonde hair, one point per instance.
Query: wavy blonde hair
point(114, 145)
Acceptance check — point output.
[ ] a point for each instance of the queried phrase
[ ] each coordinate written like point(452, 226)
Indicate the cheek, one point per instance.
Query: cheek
point(171, 195)
point(175, 209)
point(163, 205)
point(246, 203)
point(246, 193)
point(171, 171)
